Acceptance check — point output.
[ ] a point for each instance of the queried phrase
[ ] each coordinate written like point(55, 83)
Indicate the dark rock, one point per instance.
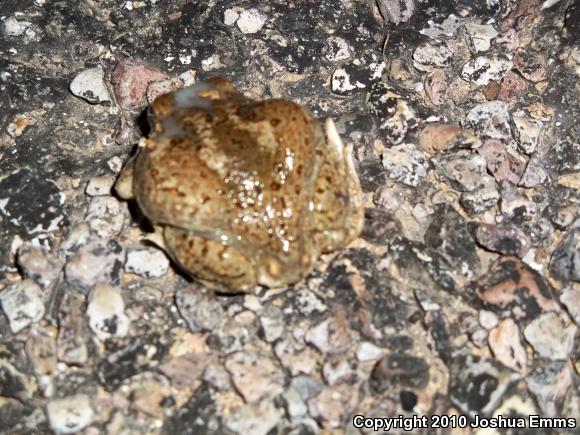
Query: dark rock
point(448, 233)
point(197, 416)
point(565, 261)
point(396, 11)
point(393, 112)
point(372, 174)
point(422, 265)
point(505, 238)
point(478, 385)
point(408, 400)
point(549, 384)
point(129, 356)
point(199, 308)
point(399, 369)
point(513, 289)
point(380, 226)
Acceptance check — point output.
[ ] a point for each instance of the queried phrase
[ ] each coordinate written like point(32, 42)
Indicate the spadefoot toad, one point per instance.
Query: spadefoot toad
point(243, 192)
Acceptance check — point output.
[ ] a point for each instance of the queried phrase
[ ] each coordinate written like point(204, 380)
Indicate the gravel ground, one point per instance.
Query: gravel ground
point(461, 298)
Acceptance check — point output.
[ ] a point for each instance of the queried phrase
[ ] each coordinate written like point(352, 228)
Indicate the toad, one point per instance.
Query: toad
point(241, 192)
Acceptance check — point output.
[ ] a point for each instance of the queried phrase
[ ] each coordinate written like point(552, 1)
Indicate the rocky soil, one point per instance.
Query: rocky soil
point(461, 297)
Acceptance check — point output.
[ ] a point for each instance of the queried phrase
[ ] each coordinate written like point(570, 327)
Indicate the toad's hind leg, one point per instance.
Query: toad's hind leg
point(338, 206)
point(216, 265)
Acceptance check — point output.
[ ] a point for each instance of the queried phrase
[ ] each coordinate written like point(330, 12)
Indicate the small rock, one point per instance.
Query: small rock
point(24, 120)
point(336, 369)
point(71, 345)
point(436, 86)
point(150, 396)
point(106, 216)
point(130, 80)
point(395, 115)
point(535, 173)
point(295, 406)
point(570, 297)
point(306, 386)
point(516, 206)
point(115, 164)
point(549, 385)
point(217, 376)
point(255, 376)
point(490, 120)
point(401, 370)
point(549, 337)
point(445, 29)
point(38, 265)
point(147, 262)
point(505, 238)
point(254, 418)
point(487, 319)
point(397, 11)
point(433, 54)
point(41, 351)
point(15, 27)
point(98, 186)
point(16, 384)
point(295, 357)
point(466, 173)
point(440, 138)
point(367, 351)
point(336, 49)
point(29, 202)
point(479, 384)
point(70, 414)
point(479, 36)
point(231, 16)
point(157, 88)
point(512, 289)
point(23, 304)
point(565, 216)
point(342, 82)
point(273, 323)
point(201, 310)
point(530, 66)
point(90, 86)
point(511, 87)
point(106, 312)
point(448, 234)
point(481, 199)
point(523, 14)
point(331, 335)
point(405, 164)
point(380, 226)
point(97, 261)
point(186, 371)
point(481, 70)
point(565, 261)
point(506, 345)
point(251, 21)
point(526, 131)
point(500, 163)
point(334, 405)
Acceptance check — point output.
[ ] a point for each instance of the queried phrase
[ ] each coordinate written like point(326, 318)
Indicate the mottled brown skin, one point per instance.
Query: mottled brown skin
point(245, 192)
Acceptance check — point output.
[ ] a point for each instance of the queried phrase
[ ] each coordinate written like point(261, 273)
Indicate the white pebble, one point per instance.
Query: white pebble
point(148, 263)
point(230, 17)
point(90, 86)
point(106, 312)
point(367, 351)
point(70, 414)
point(22, 302)
point(251, 21)
point(98, 186)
